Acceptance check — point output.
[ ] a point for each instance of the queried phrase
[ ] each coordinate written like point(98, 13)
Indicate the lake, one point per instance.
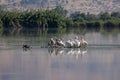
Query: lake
point(99, 61)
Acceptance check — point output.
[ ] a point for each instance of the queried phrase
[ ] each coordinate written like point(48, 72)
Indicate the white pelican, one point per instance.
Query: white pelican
point(69, 43)
point(73, 42)
point(77, 42)
point(52, 42)
point(60, 43)
point(83, 43)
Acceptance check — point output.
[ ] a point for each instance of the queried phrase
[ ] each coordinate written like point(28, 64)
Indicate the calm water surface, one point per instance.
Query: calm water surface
point(92, 63)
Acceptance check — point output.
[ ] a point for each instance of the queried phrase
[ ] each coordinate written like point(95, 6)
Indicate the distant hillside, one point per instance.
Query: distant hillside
point(91, 6)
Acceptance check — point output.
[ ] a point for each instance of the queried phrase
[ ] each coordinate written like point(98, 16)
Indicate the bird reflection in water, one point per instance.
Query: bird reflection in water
point(56, 51)
point(67, 51)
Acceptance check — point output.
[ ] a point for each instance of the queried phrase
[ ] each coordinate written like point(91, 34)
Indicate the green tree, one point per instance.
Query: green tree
point(1, 27)
point(61, 10)
point(115, 14)
point(1, 10)
point(77, 16)
point(105, 16)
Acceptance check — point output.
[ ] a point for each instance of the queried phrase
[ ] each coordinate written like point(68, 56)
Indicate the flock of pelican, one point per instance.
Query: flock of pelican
point(55, 43)
point(71, 43)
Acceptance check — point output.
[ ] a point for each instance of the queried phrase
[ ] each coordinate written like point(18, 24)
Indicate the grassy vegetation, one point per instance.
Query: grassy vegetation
point(55, 21)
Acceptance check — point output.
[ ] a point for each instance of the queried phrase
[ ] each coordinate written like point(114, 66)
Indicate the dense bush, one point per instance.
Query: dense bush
point(51, 21)
point(1, 27)
point(40, 21)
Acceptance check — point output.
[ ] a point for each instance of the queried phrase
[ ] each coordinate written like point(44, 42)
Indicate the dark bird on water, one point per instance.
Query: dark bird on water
point(26, 46)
